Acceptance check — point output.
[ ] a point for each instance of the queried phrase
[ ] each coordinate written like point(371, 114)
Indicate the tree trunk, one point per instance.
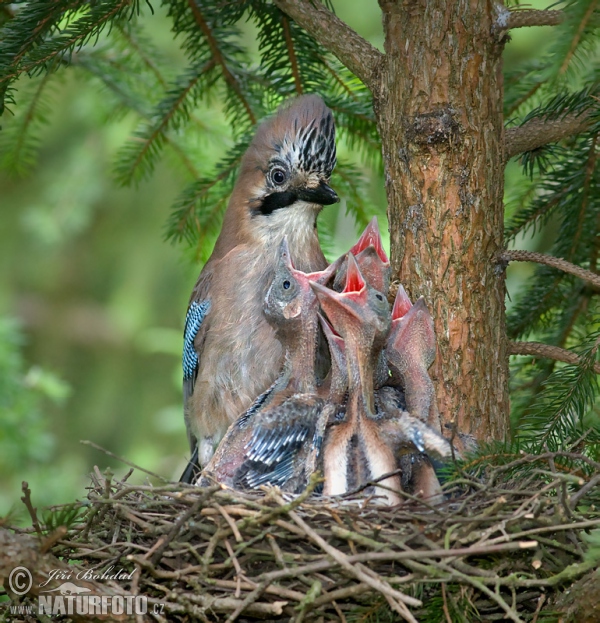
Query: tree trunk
point(438, 105)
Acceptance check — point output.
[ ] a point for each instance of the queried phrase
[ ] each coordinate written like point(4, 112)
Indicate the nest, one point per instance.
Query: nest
point(504, 546)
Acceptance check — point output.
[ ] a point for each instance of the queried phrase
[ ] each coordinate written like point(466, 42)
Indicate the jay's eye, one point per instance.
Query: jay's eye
point(278, 175)
point(286, 285)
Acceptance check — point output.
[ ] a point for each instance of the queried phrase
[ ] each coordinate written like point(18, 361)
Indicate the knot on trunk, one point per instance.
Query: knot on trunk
point(437, 128)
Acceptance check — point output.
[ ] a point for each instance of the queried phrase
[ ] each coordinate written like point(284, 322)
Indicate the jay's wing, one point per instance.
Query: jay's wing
point(195, 322)
point(194, 318)
point(282, 440)
point(196, 314)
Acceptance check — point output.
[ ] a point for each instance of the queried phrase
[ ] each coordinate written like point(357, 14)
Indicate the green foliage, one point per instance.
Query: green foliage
point(220, 66)
point(245, 58)
point(24, 435)
point(559, 208)
point(66, 515)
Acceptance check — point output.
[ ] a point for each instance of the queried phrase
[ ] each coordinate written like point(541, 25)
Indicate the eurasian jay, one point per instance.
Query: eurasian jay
point(278, 441)
point(231, 354)
point(371, 259)
point(354, 451)
point(410, 350)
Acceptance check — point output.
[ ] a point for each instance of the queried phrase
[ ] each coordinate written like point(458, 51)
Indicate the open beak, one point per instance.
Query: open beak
point(413, 332)
point(402, 304)
point(338, 305)
point(323, 276)
point(371, 236)
point(283, 254)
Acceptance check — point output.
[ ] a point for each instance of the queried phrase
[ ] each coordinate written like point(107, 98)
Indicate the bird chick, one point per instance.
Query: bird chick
point(354, 451)
point(410, 351)
point(278, 442)
point(231, 354)
point(371, 259)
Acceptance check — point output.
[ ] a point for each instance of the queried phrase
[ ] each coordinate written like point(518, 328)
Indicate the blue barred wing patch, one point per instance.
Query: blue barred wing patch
point(193, 320)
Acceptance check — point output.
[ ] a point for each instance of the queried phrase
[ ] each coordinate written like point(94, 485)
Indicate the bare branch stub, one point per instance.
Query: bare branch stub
point(548, 351)
point(520, 18)
point(357, 54)
point(539, 132)
point(549, 260)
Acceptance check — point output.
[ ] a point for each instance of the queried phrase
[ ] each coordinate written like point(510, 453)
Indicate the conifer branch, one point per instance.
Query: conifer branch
point(291, 53)
point(554, 262)
point(218, 56)
point(127, 170)
point(76, 34)
point(539, 132)
point(144, 57)
point(183, 222)
point(577, 37)
point(21, 152)
point(357, 54)
point(520, 18)
point(547, 351)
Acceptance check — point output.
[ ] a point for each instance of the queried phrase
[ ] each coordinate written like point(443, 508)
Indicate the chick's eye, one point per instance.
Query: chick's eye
point(379, 297)
point(278, 175)
point(286, 285)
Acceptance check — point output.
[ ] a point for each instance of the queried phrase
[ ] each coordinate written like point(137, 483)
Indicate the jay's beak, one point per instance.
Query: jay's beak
point(402, 304)
point(371, 236)
point(334, 340)
point(340, 305)
point(284, 254)
point(412, 331)
point(323, 194)
point(323, 276)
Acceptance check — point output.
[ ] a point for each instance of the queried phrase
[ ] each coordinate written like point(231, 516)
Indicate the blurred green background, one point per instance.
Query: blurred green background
point(92, 297)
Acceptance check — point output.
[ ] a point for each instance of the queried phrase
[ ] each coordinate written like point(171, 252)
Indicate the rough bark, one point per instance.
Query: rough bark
point(439, 110)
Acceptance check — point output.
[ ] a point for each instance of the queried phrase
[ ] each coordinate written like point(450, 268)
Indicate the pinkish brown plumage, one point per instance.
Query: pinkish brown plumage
point(277, 441)
point(231, 354)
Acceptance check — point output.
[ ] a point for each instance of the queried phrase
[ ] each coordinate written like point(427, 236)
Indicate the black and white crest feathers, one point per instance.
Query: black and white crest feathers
point(301, 135)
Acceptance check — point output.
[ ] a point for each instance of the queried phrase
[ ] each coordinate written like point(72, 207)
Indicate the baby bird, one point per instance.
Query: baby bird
point(371, 259)
point(277, 441)
point(354, 451)
point(410, 350)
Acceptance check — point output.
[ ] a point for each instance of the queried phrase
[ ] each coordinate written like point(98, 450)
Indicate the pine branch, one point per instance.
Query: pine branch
point(220, 60)
point(142, 54)
point(539, 132)
point(361, 58)
point(76, 34)
point(520, 18)
point(555, 262)
point(548, 351)
point(137, 157)
point(587, 17)
point(292, 53)
point(19, 140)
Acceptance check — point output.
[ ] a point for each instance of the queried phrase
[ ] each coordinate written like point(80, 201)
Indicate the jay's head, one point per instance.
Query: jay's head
point(371, 258)
point(359, 311)
point(290, 300)
point(290, 160)
point(412, 334)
